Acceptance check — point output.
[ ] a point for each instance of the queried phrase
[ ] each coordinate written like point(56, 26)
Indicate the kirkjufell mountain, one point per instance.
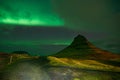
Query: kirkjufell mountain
point(81, 48)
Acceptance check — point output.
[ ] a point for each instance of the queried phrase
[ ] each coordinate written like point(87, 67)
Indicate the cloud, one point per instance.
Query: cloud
point(89, 15)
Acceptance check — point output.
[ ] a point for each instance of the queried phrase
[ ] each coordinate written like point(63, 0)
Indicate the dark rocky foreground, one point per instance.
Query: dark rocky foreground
point(41, 70)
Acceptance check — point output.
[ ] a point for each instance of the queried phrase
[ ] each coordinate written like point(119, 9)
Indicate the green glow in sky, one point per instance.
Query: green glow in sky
point(32, 12)
point(33, 22)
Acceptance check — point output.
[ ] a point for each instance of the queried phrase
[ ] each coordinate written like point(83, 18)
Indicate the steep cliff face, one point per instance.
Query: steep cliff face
point(81, 48)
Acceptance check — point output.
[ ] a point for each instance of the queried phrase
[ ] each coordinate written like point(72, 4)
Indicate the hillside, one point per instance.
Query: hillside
point(81, 48)
point(82, 64)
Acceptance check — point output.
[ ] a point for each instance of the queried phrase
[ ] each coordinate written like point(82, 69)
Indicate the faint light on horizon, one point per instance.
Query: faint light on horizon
point(64, 43)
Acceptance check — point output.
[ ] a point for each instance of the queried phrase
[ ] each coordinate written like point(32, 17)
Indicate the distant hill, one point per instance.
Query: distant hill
point(6, 59)
point(81, 48)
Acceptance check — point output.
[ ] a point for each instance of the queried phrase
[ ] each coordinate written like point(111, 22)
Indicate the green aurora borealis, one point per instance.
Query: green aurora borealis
point(47, 26)
point(28, 12)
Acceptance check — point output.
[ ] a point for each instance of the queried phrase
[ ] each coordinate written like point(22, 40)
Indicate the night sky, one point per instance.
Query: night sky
point(47, 26)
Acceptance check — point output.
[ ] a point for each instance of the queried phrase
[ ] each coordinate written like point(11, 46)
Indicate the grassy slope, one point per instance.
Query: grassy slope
point(82, 63)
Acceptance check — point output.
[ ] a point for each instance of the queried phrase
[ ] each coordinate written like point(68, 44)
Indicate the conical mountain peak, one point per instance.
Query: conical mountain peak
point(80, 37)
point(79, 41)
